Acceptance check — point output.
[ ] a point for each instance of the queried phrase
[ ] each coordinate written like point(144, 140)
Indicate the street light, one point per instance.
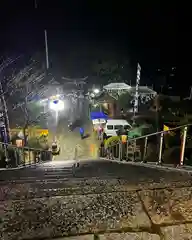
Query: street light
point(96, 90)
point(56, 105)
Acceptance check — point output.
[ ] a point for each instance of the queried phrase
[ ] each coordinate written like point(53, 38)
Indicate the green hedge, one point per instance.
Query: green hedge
point(111, 141)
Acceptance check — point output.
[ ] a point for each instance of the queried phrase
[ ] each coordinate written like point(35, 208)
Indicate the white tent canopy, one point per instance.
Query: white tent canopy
point(117, 86)
point(144, 90)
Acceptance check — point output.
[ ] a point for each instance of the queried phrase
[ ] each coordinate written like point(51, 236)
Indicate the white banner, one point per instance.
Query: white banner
point(136, 103)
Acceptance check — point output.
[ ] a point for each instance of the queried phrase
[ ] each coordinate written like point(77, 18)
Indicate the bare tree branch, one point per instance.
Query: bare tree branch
point(23, 87)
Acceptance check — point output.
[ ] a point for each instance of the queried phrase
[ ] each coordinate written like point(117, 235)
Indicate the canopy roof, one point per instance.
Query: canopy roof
point(117, 86)
point(143, 90)
point(104, 97)
point(98, 115)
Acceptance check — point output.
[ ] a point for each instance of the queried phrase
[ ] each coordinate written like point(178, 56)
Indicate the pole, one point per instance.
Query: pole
point(56, 117)
point(46, 50)
point(160, 148)
point(183, 146)
point(35, 3)
point(145, 149)
point(46, 43)
point(137, 90)
point(190, 96)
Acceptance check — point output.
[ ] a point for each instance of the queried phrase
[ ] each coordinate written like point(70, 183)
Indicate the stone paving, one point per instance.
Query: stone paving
point(100, 208)
point(112, 215)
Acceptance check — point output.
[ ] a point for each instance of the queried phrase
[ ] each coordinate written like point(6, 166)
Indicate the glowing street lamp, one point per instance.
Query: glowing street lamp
point(56, 105)
point(96, 90)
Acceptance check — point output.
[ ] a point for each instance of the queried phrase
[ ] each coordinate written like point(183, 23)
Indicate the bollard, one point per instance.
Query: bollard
point(160, 149)
point(75, 158)
point(183, 146)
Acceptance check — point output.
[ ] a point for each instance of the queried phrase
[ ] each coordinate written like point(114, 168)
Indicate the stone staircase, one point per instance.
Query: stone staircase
point(54, 200)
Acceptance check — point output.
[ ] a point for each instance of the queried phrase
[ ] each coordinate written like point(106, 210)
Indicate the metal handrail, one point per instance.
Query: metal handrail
point(160, 132)
point(15, 160)
point(153, 134)
point(27, 148)
point(160, 145)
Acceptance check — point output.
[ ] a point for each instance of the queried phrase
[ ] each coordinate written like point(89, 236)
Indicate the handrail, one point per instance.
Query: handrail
point(19, 158)
point(123, 153)
point(27, 148)
point(156, 133)
point(153, 134)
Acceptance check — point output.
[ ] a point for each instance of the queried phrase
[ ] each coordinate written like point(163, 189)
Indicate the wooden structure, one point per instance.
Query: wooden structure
point(108, 104)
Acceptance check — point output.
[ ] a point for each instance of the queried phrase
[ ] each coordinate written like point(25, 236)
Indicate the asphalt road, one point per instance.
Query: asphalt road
point(71, 140)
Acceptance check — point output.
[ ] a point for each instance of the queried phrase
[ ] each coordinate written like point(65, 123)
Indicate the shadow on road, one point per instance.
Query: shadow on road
point(86, 136)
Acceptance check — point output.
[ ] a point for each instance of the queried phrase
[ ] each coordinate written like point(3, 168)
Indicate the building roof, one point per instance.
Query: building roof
point(104, 97)
point(117, 86)
point(143, 90)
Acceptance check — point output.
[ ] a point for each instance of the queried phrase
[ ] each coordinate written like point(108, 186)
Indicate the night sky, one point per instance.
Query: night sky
point(82, 32)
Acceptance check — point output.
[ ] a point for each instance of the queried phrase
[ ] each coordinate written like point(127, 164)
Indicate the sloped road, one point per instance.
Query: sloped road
point(71, 144)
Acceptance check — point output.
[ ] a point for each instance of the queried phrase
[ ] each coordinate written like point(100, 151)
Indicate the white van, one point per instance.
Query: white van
point(113, 125)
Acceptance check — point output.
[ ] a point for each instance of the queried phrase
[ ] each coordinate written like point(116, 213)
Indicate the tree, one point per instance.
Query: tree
point(111, 71)
point(4, 119)
point(22, 90)
point(125, 101)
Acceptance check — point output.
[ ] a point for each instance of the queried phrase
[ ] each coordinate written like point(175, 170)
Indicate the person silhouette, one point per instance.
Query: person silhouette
point(81, 131)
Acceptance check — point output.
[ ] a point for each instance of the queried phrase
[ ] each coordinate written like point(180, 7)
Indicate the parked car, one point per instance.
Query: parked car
point(113, 125)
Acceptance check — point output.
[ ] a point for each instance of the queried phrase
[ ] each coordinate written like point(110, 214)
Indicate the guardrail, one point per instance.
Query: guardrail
point(12, 156)
point(155, 147)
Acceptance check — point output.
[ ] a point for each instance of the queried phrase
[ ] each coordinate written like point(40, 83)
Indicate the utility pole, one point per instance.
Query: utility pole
point(46, 50)
point(190, 96)
point(35, 3)
point(46, 41)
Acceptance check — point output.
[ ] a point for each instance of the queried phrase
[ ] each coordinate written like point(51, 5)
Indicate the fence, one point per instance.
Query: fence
point(12, 156)
point(173, 146)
